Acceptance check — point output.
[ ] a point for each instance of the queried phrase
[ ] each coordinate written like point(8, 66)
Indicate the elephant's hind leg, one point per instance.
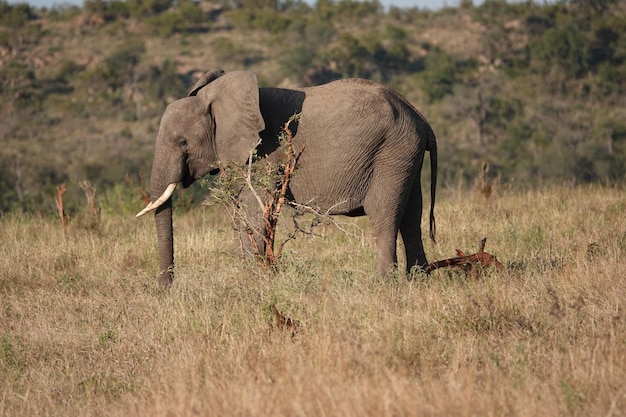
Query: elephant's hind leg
point(411, 230)
point(386, 258)
point(383, 209)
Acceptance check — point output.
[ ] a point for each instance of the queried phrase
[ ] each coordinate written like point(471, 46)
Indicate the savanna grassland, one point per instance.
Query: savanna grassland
point(535, 93)
point(84, 331)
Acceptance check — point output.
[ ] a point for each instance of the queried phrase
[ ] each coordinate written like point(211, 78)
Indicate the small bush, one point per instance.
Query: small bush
point(439, 75)
point(16, 15)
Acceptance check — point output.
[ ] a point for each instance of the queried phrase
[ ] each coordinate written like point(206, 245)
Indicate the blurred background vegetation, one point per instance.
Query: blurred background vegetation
point(535, 91)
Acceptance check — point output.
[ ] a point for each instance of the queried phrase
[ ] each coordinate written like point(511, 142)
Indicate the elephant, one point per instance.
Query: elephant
point(363, 149)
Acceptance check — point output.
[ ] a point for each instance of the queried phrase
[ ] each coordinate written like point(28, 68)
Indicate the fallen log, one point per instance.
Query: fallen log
point(472, 264)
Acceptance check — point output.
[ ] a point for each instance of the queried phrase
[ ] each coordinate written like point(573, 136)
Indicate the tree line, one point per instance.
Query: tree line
point(535, 91)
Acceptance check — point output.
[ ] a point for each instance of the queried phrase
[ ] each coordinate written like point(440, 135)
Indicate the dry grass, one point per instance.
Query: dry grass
point(84, 331)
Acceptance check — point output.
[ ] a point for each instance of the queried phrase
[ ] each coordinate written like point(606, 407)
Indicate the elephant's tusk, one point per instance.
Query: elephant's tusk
point(162, 199)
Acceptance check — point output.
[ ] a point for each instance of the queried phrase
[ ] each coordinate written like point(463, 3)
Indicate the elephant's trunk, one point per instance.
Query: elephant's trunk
point(162, 186)
point(165, 237)
point(161, 196)
point(165, 233)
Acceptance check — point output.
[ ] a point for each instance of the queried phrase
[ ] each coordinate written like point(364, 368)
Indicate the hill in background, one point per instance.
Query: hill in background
point(534, 91)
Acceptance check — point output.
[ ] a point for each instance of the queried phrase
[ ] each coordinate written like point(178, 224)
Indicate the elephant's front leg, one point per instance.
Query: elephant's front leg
point(250, 227)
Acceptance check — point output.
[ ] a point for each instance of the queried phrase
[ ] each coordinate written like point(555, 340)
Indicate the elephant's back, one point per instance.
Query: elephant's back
point(344, 127)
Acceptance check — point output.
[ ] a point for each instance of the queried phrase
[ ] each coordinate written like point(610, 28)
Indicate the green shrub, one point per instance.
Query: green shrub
point(439, 75)
point(115, 69)
point(163, 81)
point(228, 50)
point(16, 15)
point(267, 20)
point(358, 9)
point(152, 6)
point(166, 24)
point(110, 10)
point(565, 48)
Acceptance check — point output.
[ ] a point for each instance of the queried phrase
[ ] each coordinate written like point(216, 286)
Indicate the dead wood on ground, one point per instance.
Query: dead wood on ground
point(471, 264)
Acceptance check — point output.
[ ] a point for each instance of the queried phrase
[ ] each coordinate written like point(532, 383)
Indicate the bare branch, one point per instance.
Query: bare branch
point(64, 218)
point(139, 189)
point(269, 186)
point(90, 192)
point(330, 219)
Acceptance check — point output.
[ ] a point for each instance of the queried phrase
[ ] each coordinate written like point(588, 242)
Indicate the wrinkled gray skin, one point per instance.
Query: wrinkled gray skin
point(364, 148)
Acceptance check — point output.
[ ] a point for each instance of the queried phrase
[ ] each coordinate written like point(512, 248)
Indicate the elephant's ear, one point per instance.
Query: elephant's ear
point(233, 100)
point(205, 79)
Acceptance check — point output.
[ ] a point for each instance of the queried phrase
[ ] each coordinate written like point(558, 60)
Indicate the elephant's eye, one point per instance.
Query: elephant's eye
point(182, 143)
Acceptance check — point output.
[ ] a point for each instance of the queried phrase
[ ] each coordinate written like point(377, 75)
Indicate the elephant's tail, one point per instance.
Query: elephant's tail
point(431, 146)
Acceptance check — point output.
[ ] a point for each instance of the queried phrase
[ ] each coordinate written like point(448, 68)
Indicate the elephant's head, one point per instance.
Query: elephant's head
point(219, 121)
